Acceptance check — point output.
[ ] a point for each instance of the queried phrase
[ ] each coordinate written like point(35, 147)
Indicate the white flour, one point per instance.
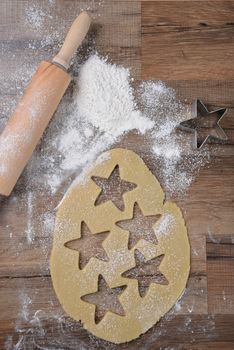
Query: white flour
point(101, 109)
point(176, 162)
point(81, 130)
point(165, 225)
point(107, 91)
point(35, 16)
point(29, 229)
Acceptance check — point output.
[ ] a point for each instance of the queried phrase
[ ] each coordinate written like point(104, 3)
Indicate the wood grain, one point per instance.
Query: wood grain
point(30, 314)
point(220, 277)
point(187, 40)
point(62, 332)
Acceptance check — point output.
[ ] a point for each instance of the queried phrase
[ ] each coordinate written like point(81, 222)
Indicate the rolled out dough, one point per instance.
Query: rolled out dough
point(77, 284)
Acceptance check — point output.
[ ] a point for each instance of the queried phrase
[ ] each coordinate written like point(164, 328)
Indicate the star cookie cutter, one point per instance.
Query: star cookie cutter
point(211, 129)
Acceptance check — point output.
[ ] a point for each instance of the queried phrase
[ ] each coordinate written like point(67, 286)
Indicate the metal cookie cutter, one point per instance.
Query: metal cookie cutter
point(205, 125)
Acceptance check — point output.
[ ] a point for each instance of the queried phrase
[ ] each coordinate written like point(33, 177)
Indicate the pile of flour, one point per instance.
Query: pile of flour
point(103, 107)
point(106, 90)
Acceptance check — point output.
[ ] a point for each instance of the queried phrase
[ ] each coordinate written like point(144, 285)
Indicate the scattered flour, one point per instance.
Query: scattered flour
point(29, 229)
point(106, 89)
point(103, 110)
point(83, 128)
point(177, 161)
point(177, 306)
point(26, 301)
point(165, 225)
point(103, 107)
point(213, 238)
point(35, 16)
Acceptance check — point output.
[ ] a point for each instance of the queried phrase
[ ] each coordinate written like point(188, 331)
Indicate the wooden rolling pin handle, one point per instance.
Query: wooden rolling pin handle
point(37, 106)
point(74, 38)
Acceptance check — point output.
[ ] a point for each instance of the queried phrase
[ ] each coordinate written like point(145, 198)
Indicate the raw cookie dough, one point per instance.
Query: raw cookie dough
point(111, 266)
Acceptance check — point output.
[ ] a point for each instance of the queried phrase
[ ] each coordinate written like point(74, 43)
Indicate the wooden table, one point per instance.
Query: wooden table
point(189, 44)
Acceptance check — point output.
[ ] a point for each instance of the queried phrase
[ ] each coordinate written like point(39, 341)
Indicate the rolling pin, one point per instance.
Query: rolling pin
point(37, 106)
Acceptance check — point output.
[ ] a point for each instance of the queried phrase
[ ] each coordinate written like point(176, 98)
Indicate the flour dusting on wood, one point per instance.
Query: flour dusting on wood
point(29, 229)
point(97, 113)
point(103, 109)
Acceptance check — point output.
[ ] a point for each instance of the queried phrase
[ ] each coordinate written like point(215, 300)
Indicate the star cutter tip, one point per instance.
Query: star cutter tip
point(199, 110)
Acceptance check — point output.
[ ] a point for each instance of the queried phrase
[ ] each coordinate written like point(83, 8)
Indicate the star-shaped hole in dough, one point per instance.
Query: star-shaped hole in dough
point(105, 299)
point(146, 272)
point(113, 188)
point(89, 245)
point(139, 227)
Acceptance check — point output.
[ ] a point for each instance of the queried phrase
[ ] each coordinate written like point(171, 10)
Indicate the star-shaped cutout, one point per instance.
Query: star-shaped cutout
point(146, 272)
point(139, 227)
point(113, 188)
point(105, 299)
point(89, 245)
point(205, 125)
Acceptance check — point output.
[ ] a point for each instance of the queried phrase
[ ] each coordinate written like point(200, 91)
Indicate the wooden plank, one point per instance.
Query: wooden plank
point(214, 94)
point(211, 202)
point(20, 256)
point(26, 303)
point(25, 285)
point(15, 290)
point(220, 276)
point(31, 31)
point(112, 19)
point(212, 345)
point(142, 1)
point(31, 316)
point(212, 205)
point(187, 40)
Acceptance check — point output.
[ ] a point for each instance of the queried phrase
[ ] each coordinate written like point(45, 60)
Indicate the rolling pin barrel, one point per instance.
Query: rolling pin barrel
point(38, 104)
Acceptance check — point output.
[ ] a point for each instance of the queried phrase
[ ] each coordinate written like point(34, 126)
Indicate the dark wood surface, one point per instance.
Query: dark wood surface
point(187, 40)
point(189, 44)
